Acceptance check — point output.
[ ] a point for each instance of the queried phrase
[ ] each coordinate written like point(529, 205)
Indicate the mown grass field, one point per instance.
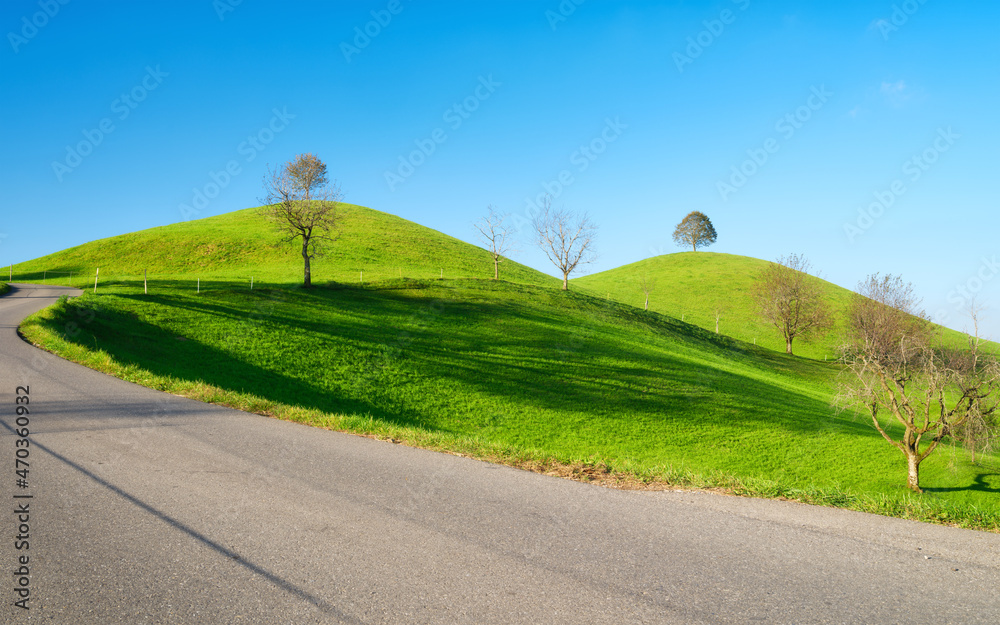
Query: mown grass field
point(517, 372)
point(238, 246)
point(695, 285)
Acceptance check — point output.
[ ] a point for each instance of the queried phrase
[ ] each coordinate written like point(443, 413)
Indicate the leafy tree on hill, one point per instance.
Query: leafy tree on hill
point(497, 236)
point(897, 373)
point(790, 300)
point(566, 239)
point(695, 230)
point(303, 204)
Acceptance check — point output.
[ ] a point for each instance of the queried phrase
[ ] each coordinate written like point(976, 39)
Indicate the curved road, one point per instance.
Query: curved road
point(151, 508)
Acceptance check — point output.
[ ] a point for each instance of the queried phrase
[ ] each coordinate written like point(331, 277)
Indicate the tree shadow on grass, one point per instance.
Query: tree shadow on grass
point(131, 341)
point(550, 352)
point(981, 483)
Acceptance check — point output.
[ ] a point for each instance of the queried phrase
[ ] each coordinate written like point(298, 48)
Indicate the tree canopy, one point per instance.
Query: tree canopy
point(695, 230)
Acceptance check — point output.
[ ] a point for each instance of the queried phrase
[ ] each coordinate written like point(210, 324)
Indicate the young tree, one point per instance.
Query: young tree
point(896, 373)
point(695, 230)
point(647, 287)
point(497, 236)
point(567, 240)
point(301, 203)
point(789, 299)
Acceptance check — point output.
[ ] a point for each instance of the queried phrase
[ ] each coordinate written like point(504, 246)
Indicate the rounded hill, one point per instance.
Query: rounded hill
point(699, 287)
point(241, 244)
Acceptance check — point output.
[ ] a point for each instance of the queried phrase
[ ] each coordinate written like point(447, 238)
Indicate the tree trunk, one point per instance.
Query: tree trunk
point(307, 283)
point(565, 281)
point(647, 302)
point(913, 463)
point(496, 268)
point(694, 247)
point(788, 346)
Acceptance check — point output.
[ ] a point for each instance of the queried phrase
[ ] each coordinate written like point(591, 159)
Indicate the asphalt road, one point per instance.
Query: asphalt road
point(151, 508)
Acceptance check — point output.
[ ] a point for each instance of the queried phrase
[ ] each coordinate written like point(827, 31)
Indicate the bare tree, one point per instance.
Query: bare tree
point(566, 239)
point(303, 204)
point(791, 300)
point(719, 311)
point(696, 230)
point(980, 432)
point(647, 288)
point(497, 236)
point(896, 373)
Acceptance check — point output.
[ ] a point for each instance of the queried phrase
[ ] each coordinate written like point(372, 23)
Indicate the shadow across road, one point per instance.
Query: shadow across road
point(236, 558)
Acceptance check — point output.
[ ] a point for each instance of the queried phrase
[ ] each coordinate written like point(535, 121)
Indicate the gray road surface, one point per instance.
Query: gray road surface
point(151, 508)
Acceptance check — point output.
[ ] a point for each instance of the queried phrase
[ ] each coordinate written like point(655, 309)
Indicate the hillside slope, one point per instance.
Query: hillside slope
point(519, 372)
point(241, 244)
point(693, 286)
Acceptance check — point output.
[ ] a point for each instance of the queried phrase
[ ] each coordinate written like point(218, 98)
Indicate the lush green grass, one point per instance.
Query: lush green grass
point(520, 373)
point(694, 285)
point(515, 371)
point(237, 246)
point(4, 288)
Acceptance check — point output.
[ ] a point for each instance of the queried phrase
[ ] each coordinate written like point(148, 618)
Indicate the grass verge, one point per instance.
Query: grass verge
point(557, 383)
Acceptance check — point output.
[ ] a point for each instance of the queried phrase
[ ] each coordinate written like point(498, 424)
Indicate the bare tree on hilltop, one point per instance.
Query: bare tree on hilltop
point(695, 230)
point(566, 239)
point(301, 203)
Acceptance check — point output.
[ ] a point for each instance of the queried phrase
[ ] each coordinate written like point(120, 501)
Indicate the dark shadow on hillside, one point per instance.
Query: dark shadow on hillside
point(551, 364)
point(553, 351)
point(131, 341)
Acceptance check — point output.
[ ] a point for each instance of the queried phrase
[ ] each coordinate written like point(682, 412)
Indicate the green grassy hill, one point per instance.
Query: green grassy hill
point(240, 245)
point(694, 285)
point(518, 372)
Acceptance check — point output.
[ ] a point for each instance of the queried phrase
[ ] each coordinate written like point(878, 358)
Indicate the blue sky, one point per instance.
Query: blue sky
point(861, 134)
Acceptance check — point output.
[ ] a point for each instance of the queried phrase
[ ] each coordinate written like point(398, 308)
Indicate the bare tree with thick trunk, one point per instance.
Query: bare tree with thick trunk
point(791, 300)
point(896, 374)
point(301, 203)
point(566, 239)
point(497, 235)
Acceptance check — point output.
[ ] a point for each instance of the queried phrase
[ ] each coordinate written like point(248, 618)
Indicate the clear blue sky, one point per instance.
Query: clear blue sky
point(646, 109)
